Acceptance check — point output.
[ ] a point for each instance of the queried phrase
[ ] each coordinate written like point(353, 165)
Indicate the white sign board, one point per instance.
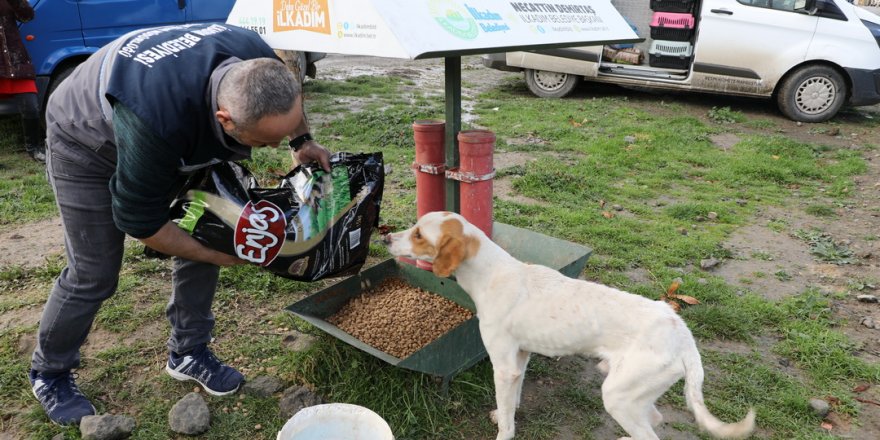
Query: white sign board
point(416, 29)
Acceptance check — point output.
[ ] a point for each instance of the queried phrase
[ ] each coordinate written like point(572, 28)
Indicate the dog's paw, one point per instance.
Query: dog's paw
point(493, 416)
point(506, 435)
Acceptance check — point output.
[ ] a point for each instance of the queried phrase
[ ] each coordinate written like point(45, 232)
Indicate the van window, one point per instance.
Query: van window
point(824, 8)
point(827, 9)
point(780, 5)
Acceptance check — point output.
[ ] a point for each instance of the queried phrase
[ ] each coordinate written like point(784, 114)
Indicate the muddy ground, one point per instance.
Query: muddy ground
point(755, 248)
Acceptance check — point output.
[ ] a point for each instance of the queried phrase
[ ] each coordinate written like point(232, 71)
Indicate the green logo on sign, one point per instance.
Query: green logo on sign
point(454, 19)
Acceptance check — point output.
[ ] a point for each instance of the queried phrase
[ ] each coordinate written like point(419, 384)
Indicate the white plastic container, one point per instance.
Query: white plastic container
point(335, 421)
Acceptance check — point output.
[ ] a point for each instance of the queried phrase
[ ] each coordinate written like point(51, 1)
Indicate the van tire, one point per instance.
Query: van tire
point(812, 94)
point(550, 84)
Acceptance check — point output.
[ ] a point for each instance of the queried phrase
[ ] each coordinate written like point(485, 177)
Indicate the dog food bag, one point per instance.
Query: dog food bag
point(313, 225)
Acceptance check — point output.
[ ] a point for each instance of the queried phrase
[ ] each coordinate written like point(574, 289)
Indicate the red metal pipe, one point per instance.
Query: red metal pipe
point(430, 169)
point(430, 165)
point(476, 172)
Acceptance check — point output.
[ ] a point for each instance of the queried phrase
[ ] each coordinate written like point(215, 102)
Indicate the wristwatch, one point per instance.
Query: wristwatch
point(297, 142)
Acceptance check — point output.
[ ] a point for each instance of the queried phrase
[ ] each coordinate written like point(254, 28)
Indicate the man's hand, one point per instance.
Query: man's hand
point(226, 260)
point(312, 151)
point(171, 240)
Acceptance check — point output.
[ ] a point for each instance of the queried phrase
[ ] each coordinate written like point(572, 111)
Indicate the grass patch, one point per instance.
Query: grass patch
point(355, 86)
point(782, 275)
point(724, 115)
point(778, 225)
point(410, 402)
point(762, 255)
point(863, 284)
point(821, 210)
point(825, 248)
point(25, 194)
point(780, 401)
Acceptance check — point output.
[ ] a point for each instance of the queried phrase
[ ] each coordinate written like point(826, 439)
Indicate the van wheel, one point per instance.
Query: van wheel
point(550, 84)
point(812, 94)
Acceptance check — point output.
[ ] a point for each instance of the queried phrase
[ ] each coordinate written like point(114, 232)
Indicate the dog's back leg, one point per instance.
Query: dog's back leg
point(633, 416)
point(656, 417)
point(629, 395)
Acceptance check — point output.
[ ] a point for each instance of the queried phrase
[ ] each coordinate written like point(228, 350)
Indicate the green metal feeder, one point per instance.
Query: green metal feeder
point(461, 347)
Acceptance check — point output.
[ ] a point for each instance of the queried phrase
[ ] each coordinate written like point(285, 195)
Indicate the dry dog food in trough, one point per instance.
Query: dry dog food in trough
point(397, 318)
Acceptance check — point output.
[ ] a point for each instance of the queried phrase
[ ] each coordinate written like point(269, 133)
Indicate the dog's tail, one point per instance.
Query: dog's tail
point(693, 391)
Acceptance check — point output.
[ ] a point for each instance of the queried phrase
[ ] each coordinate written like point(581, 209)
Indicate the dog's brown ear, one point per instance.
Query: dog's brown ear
point(450, 253)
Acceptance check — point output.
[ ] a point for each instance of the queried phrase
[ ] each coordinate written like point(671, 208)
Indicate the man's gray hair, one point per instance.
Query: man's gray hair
point(256, 88)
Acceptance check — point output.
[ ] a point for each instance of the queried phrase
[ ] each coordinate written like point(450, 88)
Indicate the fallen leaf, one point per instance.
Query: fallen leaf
point(607, 214)
point(674, 306)
point(573, 122)
point(861, 388)
point(872, 402)
point(775, 157)
point(688, 299)
point(827, 426)
point(673, 287)
point(601, 203)
point(839, 421)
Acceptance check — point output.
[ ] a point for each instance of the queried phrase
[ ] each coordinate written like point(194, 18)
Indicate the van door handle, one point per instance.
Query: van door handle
point(181, 4)
point(721, 11)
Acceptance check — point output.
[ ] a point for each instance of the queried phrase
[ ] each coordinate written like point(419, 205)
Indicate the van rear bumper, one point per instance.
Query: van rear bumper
point(498, 61)
point(865, 86)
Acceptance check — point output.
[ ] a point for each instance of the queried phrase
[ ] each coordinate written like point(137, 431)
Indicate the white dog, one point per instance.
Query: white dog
point(644, 346)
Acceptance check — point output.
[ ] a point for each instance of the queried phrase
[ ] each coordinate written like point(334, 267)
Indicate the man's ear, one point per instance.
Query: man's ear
point(451, 252)
point(225, 120)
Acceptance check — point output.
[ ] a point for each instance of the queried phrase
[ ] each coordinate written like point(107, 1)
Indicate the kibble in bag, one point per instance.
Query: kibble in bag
point(313, 225)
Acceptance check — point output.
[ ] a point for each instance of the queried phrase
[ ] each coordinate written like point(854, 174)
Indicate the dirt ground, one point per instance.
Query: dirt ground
point(755, 248)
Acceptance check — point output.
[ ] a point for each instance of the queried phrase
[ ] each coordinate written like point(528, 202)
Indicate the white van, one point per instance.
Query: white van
point(812, 56)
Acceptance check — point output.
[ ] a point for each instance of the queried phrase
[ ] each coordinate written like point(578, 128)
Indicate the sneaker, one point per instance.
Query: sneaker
point(63, 402)
point(38, 155)
point(202, 366)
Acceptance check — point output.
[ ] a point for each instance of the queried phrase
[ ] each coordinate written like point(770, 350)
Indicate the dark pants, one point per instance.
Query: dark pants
point(29, 107)
point(94, 248)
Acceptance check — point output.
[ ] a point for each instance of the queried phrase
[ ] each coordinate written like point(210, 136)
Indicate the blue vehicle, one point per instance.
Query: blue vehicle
point(64, 33)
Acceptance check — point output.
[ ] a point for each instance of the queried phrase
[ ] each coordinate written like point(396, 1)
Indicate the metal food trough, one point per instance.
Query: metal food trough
point(461, 347)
